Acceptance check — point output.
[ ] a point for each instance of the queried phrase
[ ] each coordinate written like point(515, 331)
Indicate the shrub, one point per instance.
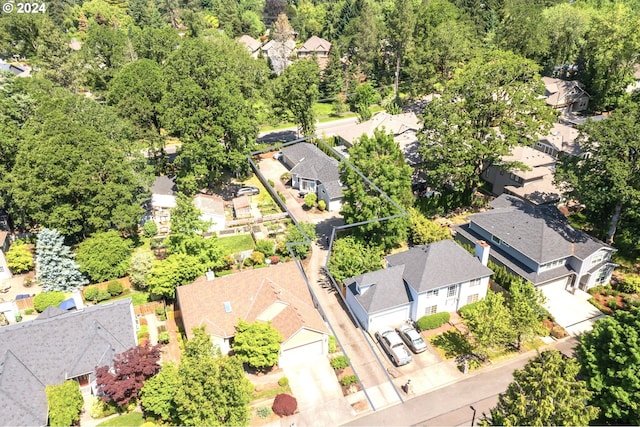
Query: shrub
point(46, 299)
point(114, 288)
point(282, 197)
point(271, 183)
point(612, 304)
point(263, 412)
point(28, 282)
point(28, 311)
point(163, 337)
point(630, 285)
point(149, 229)
point(348, 380)
point(636, 302)
point(284, 405)
point(615, 293)
point(285, 176)
point(247, 262)
point(99, 409)
point(339, 362)
point(274, 259)
point(257, 258)
point(19, 258)
point(103, 295)
point(432, 321)
point(322, 205)
point(310, 200)
point(558, 332)
point(91, 293)
point(159, 310)
point(467, 310)
point(596, 290)
point(283, 382)
point(265, 246)
point(332, 344)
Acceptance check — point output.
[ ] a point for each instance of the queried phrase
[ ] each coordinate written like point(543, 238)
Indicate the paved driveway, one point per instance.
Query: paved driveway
point(572, 312)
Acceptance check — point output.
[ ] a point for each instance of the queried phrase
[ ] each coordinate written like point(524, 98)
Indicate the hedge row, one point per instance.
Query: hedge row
point(432, 321)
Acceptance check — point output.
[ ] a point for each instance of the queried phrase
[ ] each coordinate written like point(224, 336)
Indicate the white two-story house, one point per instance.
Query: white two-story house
point(538, 244)
point(441, 276)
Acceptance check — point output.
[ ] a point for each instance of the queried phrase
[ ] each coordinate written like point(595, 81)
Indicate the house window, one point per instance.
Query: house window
point(433, 309)
point(552, 264)
point(432, 293)
point(602, 276)
point(598, 258)
point(495, 240)
point(452, 291)
point(474, 282)
point(515, 177)
point(472, 298)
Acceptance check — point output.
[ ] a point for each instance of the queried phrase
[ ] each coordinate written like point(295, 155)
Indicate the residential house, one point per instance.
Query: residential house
point(538, 244)
point(534, 184)
point(318, 48)
point(15, 68)
point(163, 199)
point(277, 294)
point(561, 139)
point(404, 128)
point(58, 346)
point(252, 45)
point(212, 210)
point(5, 273)
point(280, 54)
point(565, 95)
point(441, 276)
point(312, 171)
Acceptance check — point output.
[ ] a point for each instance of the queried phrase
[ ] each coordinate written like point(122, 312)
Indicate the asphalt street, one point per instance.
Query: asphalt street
point(451, 405)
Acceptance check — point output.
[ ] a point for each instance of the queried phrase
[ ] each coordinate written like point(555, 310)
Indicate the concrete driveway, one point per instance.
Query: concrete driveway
point(573, 312)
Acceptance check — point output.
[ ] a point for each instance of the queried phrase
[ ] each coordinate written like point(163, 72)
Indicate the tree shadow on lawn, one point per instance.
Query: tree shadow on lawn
point(452, 343)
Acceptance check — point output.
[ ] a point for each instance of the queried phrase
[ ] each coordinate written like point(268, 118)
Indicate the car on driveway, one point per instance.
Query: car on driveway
point(393, 346)
point(247, 191)
point(412, 338)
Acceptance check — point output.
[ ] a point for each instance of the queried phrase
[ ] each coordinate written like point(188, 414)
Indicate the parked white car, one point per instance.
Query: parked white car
point(412, 338)
point(393, 346)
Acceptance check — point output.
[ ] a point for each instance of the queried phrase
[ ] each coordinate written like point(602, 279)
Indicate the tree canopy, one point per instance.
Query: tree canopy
point(104, 256)
point(257, 344)
point(352, 257)
point(546, 392)
point(56, 269)
point(65, 403)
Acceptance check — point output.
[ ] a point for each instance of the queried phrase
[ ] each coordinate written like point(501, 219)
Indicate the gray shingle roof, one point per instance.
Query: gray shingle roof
point(55, 347)
point(541, 233)
point(438, 264)
point(164, 185)
point(387, 290)
point(311, 163)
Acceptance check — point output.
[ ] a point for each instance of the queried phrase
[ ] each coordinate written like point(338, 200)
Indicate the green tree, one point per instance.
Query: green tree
point(19, 258)
point(489, 107)
point(523, 30)
point(380, 159)
point(546, 392)
point(610, 361)
point(365, 96)
point(401, 22)
point(173, 271)
point(141, 264)
point(490, 323)
point(105, 51)
point(424, 231)
point(352, 257)
point(296, 237)
point(65, 403)
point(607, 180)
point(607, 57)
point(257, 344)
point(104, 256)
point(298, 90)
point(156, 396)
point(525, 304)
point(566, 25)
point(155, 44)
point(55, 268)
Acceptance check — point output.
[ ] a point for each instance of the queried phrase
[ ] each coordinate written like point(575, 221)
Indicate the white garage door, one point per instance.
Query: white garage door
point(301, 354)
point(558, 285)
point(389, 319)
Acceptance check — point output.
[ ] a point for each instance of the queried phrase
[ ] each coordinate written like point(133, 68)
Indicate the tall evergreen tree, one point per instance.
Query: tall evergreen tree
point(55, 268)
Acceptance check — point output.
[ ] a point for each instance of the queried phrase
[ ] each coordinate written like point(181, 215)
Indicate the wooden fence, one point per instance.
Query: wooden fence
point(24, 303)
point(148, 308)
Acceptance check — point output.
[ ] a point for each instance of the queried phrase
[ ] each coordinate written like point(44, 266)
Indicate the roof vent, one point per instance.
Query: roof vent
point(227, 306)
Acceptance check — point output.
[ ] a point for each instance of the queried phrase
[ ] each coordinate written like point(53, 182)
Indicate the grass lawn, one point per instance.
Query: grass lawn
point(237, 243)
point(130, 419)
point(451, 344)
point(322, 109)
point(137, 297)
point(271, 392)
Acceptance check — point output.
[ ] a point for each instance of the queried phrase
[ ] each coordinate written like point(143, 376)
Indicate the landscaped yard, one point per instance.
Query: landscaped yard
point(130, 419)
point(137, 297)
point(236, 243)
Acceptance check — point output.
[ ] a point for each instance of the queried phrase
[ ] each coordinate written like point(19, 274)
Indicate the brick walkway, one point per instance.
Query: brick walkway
point(171, 352)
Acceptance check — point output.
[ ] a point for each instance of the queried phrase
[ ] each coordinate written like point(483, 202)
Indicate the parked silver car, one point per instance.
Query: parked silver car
point(247, 191)
point(393, 346)
point(412, 338)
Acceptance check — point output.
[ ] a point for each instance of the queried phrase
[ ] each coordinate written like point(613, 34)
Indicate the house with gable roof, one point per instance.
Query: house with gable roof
point(252, 45)
point(565, 95)
point(58, 346)
point(312, 171)
point(428, 279)
point(538, 244)
point(316, 47)
point(277, 294)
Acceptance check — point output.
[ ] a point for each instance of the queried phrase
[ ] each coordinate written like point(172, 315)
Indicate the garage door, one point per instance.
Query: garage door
point(557, 285)
point(301, 354)
point(389, 319)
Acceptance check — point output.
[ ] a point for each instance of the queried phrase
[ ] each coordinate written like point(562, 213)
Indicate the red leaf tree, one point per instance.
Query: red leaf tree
point(284, 405)
point(122, 383)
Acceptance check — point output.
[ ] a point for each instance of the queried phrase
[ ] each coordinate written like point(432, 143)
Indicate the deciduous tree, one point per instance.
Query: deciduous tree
point(546, 392)
point(489, 107)
point(296, 238)
point(55, 268)
point(424, 231)
point(525, 305)
point(156, 396)
point(19, 258)
point(297, 90)
point(257, 344)
point(609, 355)
point(173, 271)
point(490, 323)
point(104, 256)
point(141, 264)
point(351, 257)
point(121, 384)
point(65, 403)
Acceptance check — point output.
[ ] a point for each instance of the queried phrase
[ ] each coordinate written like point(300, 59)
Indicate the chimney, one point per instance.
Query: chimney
point(77, 299)
point(482, 251)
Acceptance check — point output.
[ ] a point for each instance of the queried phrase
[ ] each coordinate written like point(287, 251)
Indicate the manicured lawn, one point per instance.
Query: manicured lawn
point(451, 344)
point(270, 392)
point(131, 419)
point(137, 297)
point(322, 109)
point(237, 243)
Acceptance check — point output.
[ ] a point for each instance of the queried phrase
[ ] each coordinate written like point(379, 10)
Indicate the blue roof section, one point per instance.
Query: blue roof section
point(67, 304)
